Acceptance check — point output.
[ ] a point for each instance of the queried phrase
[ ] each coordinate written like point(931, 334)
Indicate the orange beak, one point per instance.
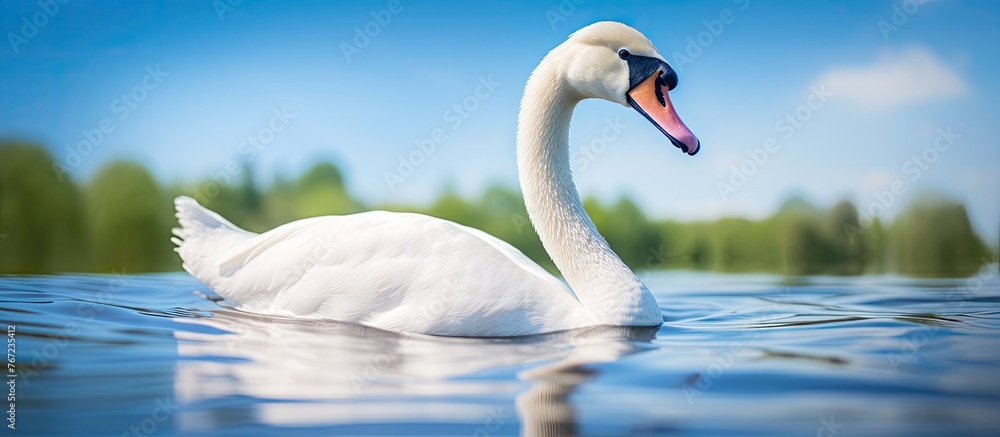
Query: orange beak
point(651, 99)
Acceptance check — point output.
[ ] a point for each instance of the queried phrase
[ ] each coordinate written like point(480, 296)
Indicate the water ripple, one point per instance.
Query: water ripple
point(737, 354)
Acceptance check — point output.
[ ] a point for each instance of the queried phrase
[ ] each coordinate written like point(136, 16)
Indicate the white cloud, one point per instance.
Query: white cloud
point(896, 79)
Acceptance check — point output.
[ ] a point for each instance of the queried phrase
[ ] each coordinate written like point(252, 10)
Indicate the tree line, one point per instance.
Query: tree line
point(120, 221)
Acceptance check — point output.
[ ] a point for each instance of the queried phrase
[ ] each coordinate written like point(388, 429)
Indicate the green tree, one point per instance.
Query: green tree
point(122, 223)
point(933, 237)
point(238, 199)
point(846, 254)
point(627, 230)
point(41, 217)
point(740, 244)
point(126, 216)
point(450, 206)
point(507, 219)
point(321, 191)
point(801, 236)
point(876, 242)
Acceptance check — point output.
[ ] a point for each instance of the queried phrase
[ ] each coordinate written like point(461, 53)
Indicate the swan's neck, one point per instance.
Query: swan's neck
point(606, 287)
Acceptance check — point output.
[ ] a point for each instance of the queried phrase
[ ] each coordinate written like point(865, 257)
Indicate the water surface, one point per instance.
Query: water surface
point(738, 354)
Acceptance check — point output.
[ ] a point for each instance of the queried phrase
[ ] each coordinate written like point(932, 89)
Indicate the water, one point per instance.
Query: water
point(738, 354)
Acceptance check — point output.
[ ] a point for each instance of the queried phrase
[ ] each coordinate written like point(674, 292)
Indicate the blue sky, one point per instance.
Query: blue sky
point(225, 70)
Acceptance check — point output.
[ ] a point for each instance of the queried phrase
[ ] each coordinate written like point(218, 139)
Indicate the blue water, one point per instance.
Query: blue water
point(738, 354)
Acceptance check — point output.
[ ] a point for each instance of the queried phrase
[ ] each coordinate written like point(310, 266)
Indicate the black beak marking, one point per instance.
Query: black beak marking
point(641, 67)
point(659, 91)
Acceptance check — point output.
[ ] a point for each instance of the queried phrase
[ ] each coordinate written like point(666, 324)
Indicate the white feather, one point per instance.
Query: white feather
point(415, 273)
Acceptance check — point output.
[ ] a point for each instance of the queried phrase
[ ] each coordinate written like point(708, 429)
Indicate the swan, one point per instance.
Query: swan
point(420, 274)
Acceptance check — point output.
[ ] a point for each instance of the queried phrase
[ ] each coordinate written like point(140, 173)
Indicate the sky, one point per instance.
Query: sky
point(870, 101)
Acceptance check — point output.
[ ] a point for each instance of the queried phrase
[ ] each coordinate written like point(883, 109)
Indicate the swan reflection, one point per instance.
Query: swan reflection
point(313, 373)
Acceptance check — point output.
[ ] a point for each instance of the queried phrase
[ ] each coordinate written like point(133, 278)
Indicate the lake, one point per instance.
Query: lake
point(738, 354)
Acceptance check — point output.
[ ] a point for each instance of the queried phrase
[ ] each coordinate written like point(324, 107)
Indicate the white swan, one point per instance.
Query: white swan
point(415, 273)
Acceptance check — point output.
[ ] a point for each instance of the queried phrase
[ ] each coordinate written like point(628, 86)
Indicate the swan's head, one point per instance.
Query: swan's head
point(612, 61)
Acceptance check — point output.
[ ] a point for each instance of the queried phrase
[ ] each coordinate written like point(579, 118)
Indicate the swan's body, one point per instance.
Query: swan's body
point(415, 273)
point(396, 271)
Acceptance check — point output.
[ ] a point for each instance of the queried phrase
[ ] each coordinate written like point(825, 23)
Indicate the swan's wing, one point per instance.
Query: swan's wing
point(203, 235)
point(517, 257)
point(396, 271)
point(268, 263)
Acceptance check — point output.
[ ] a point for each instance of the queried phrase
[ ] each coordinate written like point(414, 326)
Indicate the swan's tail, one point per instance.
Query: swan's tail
point(202, 237)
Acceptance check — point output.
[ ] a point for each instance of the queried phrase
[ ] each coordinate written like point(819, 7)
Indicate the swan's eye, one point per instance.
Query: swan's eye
point(624, 54)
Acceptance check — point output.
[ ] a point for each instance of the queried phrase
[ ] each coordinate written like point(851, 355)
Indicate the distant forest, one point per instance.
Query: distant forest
point(120, 221)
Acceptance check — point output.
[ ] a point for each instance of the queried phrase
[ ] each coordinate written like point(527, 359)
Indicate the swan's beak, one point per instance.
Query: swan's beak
point(650, 97)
